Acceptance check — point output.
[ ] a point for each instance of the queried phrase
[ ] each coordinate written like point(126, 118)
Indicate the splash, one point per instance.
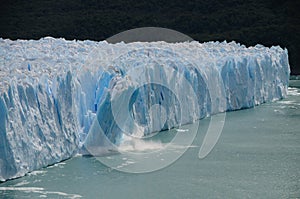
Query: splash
point(132, 144)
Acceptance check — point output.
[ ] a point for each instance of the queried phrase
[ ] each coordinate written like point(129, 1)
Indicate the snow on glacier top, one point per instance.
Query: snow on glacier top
point(27, 61)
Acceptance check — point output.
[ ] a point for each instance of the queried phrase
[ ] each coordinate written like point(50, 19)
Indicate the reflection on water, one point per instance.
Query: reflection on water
point(257, 156)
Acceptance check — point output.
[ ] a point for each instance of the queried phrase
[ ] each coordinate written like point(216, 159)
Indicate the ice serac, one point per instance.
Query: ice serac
point(59, 97)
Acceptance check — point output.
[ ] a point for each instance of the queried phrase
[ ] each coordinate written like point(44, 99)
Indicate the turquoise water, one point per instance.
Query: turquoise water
point(257, 156)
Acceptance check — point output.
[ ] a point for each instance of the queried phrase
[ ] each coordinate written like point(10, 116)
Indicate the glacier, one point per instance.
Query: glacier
point(56, 95)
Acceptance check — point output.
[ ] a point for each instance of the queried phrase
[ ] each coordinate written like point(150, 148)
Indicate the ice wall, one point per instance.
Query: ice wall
point(57, 95)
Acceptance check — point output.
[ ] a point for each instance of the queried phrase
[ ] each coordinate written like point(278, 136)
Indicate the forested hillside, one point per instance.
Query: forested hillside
point(268, 22)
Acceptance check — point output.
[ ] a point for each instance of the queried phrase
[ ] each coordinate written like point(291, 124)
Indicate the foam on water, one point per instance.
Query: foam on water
point(37, 172)
point(293, 91)
point(42, 191)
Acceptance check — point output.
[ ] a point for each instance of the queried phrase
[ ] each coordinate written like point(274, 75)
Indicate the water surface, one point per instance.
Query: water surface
point(257, 156)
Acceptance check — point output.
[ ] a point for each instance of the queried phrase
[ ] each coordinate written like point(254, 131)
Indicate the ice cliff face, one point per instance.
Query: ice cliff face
point(56, 95)
point(37, 129)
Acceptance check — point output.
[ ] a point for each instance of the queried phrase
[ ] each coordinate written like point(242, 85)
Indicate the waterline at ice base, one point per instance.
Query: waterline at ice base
point(60, 98)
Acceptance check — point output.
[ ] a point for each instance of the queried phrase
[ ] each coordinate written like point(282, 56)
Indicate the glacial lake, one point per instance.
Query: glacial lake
point(256, 156)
